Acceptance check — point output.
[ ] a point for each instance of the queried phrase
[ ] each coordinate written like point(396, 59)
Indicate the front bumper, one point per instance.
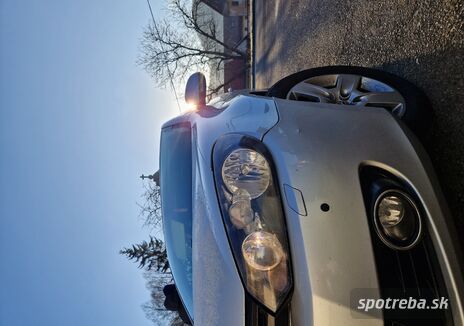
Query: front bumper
point(318, 152)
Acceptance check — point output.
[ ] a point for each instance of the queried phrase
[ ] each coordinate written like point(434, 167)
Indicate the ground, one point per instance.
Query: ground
point(421, 41)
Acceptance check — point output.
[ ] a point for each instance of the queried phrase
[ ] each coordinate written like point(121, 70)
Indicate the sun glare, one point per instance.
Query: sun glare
point(186, 107)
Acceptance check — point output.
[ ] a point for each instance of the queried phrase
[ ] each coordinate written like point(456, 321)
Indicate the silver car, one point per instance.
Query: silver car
point(305, 203)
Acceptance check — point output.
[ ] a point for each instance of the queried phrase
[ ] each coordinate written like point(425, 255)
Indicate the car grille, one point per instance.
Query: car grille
point(412, 273)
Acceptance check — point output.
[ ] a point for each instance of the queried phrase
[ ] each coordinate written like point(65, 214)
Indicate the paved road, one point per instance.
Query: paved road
point(420, 40)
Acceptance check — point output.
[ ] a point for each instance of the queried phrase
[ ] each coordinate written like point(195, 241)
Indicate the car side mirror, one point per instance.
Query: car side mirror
point(195, 90)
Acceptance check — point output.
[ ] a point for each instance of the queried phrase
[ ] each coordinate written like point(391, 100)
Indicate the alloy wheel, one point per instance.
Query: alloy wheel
point(349, 90)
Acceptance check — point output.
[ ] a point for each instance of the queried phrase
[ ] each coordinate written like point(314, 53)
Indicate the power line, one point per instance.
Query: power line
point(167, 66)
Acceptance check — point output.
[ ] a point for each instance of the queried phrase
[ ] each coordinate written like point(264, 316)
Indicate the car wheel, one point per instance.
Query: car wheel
point(361, 87)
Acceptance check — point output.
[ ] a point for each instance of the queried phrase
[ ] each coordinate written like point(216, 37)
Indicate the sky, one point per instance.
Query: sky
point(79, 122)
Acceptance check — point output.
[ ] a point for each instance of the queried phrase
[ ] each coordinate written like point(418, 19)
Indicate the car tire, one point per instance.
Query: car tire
point(417, 113)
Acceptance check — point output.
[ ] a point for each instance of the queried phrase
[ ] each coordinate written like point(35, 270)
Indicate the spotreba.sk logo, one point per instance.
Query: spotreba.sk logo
point(406, 304)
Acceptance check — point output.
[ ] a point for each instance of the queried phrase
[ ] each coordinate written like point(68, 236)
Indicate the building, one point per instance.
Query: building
point(228, 7)
point(230, 18)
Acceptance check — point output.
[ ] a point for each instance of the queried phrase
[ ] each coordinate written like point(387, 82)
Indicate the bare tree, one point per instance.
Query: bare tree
point(154, 309)
point(150, 209)
point(186, 41)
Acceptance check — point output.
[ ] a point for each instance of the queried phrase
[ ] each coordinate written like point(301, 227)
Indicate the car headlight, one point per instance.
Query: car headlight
point(397, 219)
point(253, 217)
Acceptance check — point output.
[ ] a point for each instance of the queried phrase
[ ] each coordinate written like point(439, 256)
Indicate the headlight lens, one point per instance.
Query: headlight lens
point(246, 169)
point(397, 220)
point(250, 202)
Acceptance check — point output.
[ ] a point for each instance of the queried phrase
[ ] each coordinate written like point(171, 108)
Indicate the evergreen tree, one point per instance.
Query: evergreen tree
point(150, 255)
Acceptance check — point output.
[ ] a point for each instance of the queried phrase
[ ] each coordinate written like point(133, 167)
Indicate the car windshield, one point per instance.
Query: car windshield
point(176, 201)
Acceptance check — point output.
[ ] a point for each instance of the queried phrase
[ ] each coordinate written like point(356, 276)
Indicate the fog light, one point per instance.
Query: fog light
point(262, 251)
point(397, 220)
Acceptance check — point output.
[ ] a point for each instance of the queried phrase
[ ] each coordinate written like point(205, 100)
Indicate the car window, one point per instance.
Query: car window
point(176, 201)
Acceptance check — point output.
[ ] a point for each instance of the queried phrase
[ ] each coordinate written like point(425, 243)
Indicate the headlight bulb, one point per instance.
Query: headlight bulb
point(391, 211)
point(240, 212)
point(262, 250)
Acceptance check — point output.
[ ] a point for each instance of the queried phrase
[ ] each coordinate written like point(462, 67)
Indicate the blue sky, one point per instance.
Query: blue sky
point(79, 122)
